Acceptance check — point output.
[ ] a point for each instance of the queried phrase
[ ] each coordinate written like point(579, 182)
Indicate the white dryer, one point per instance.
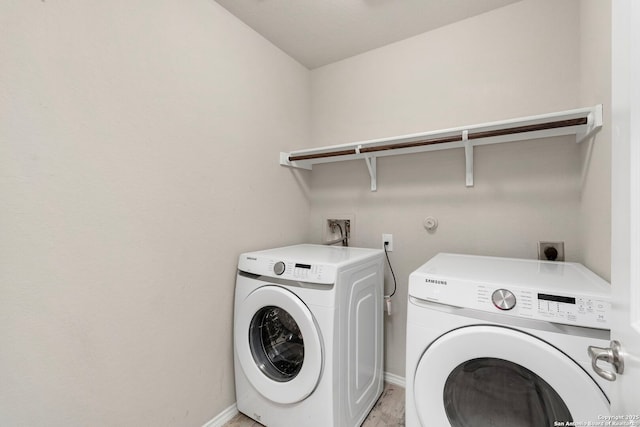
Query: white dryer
point(503, 342)
point(308, 335)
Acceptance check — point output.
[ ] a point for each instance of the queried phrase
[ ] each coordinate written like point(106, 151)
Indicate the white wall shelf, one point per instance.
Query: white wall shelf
point(582, 123)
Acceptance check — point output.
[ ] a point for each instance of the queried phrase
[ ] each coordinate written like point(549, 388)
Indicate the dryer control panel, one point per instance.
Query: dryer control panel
point(585, 311)
point(566, 293)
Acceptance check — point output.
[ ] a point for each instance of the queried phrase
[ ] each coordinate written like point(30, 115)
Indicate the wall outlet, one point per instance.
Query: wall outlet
point(551, 251)
point(389, 239)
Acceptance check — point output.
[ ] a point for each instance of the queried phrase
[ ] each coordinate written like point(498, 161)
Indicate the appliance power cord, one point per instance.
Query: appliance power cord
point(395, 284)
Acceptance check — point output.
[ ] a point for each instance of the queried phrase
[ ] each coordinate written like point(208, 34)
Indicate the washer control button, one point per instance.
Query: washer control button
point(278, 268)
point(503, 299)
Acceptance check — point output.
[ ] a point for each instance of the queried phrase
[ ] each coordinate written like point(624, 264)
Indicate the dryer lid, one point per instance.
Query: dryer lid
point(564, 277)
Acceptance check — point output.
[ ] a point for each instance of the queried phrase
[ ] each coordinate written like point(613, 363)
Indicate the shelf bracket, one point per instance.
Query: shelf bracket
point(371, 166)
point(284, 161)
point(594, 123)
point(468, 156)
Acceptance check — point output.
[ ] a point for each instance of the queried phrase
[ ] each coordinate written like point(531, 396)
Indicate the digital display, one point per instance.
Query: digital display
point(307, 266)
point(556, 298)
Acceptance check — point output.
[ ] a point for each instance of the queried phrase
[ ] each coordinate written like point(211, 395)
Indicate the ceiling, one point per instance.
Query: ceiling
point(319, 32)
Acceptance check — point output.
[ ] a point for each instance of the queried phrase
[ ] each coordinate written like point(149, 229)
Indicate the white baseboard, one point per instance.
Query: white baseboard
point(223, 417)
point(395, 379)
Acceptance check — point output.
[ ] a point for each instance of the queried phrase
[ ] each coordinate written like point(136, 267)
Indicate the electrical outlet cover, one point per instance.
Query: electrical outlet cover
point(388, 238)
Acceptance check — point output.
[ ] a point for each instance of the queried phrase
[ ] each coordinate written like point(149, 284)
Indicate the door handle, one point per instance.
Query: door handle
point(612, 355)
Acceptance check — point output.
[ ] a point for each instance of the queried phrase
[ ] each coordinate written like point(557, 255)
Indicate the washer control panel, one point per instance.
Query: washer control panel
point(297, 271)
point(289, 270)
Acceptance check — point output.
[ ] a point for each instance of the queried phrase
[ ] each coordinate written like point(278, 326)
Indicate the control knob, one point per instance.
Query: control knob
point(503, 299)
point(278, 268)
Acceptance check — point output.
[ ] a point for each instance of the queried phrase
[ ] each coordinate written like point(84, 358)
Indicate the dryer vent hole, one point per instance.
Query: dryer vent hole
point(551, 251)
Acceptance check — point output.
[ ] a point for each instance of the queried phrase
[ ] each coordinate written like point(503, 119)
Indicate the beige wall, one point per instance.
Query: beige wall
point(520, 60)
point(138, 157)
point(595, 80)
point(138, 149)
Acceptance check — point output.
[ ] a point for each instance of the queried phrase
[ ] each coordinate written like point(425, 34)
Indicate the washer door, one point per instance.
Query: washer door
point(278, 344)
point(481, 376)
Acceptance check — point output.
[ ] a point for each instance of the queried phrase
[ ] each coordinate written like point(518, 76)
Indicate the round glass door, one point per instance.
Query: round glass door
point(487, 392)
point(278, 344)
point(481, 376)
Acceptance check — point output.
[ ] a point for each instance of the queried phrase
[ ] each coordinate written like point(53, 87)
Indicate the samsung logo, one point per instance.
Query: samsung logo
point(252, 258)
point(436, 282)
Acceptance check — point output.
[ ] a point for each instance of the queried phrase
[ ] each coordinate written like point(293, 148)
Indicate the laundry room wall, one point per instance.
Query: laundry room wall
point(595, 87)
point(138, 154)
point(523, 59)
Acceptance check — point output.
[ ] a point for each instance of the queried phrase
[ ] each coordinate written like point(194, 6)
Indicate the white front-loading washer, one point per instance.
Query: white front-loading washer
point(308, 335)
point(503, 343)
